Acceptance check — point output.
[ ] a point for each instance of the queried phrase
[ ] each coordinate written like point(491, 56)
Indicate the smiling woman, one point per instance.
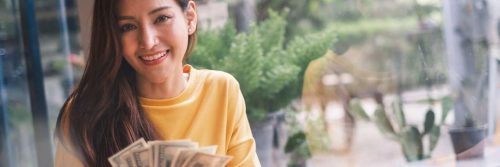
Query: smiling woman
point(136, 85)
point(155, 42)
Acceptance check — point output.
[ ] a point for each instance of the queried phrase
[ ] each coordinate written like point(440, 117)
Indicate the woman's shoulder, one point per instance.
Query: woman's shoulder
point(218, 77)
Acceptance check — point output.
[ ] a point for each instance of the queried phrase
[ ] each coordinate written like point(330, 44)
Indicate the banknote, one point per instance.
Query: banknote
point(174, 153)
point(165, 151)
point(128, 160)
point(185, 154)
point(142, 157)
point(116, 160)
point(154, 146)
point(201, 159)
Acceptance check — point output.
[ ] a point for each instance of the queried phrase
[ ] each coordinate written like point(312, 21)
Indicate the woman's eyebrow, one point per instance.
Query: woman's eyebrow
point(159, 9)
point(125, 18)
point(149, 13)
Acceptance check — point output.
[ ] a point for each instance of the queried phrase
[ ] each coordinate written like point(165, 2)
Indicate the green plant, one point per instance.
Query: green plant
point(409, 136)
point(270, 74)
point(298, 144)
point(471, 99)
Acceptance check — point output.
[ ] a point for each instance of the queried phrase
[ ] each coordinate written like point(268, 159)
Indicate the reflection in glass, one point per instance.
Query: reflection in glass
point(13, 86)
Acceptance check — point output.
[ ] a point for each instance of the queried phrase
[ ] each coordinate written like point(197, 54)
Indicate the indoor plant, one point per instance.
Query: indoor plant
point(410, 137)
point(270, 72)
point(469, 57)
point(467, 136)
point(298, 149)
point(297, 145)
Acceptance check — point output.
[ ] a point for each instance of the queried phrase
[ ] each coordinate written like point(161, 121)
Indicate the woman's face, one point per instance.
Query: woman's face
point(154, 36)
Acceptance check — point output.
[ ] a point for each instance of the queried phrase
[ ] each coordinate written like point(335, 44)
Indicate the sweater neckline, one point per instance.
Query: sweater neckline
point(185, 94)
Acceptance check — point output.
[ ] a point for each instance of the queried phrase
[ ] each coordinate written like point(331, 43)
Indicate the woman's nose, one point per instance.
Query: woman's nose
point(148, 39)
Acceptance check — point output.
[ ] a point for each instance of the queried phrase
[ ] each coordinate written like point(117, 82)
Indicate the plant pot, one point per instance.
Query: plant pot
point(299, 165)
point(468, 143)
point(263, 133)
point(297, 160)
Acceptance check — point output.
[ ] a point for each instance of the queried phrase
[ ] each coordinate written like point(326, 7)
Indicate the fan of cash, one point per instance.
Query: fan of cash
point(175, 153)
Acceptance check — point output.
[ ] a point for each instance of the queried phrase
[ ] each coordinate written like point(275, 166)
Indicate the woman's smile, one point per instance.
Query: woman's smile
point(155, 58)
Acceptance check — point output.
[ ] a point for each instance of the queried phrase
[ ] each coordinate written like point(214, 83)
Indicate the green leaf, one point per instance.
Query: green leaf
point(383, 123)
point(434, 138)
point(272, 31)
point(295, 141)
point(411, 143)
point(278, 77)
point(246, 50)
point(429, 121)
point(398, 112)
point(212, 47)
point(269, 72)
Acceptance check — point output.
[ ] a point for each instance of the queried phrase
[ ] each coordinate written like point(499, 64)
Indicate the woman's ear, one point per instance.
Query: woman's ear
point(191, 17)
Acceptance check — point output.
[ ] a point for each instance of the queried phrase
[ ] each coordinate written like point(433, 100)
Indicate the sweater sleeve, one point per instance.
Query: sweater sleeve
point(242, 144)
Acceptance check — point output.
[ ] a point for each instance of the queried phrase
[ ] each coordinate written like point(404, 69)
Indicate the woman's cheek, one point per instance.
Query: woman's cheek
point(129, 46)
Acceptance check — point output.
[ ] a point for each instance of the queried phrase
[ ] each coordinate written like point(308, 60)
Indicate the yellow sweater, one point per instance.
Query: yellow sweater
point(210, 111)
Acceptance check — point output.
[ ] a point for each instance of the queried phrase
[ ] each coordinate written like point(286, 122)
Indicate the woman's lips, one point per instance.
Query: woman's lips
point(156, 58)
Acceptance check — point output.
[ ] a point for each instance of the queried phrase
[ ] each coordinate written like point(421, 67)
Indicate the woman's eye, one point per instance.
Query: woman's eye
point(127, 27)
point(161, 18)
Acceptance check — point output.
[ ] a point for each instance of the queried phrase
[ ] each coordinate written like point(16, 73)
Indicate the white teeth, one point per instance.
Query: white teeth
point(154, 57)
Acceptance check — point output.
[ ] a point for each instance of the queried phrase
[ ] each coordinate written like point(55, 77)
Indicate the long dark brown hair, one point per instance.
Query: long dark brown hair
point(103, 114)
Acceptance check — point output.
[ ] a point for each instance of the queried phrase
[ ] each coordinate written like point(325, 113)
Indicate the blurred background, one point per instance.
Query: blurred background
point(326, 82)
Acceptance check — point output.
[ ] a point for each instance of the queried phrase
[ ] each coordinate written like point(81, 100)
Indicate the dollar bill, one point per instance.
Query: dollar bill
point(175, 153)
point(116, 160)
point(166, 151)
point(153, 144)
point(186, 154)
point(128, 160)
point(201, 159)
point(142, 157)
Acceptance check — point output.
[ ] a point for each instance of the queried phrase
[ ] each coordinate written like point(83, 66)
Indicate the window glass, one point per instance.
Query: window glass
point(18, 141)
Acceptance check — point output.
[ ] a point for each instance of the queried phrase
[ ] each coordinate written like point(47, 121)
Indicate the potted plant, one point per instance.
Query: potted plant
point(410, 137)
point(298, 149)
point(270, 74)
point(469, 54)
point(297, 146)
point(467, 138)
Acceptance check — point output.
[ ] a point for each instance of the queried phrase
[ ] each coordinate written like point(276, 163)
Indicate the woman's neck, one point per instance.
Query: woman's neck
point(170, 88)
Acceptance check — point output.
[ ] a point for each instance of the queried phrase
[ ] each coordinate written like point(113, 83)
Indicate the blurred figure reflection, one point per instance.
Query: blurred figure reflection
point(333, 78)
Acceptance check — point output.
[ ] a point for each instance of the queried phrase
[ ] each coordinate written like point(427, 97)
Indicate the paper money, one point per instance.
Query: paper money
point(201, 159)
point(186, 154)
point(165, 151)
point(142, 157)
point(116, 160)
point(175, 153)
point(128, 160)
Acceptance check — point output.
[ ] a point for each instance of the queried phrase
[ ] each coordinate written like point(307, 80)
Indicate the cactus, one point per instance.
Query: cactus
point(398, 112)
point(411, 143)
point(383, 123)
point(429, 121)
point(434, 137)
point(409, 136)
